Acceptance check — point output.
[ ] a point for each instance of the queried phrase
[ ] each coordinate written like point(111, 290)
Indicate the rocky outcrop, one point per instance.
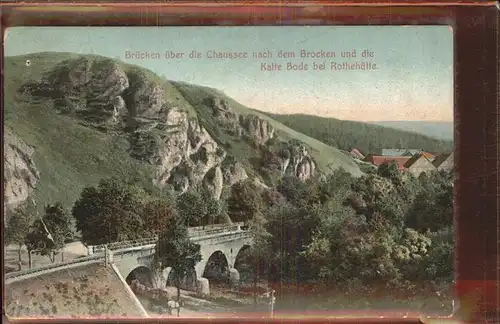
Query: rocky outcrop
point(144, 98)
point(251, 126)
point(90, 87)
point(100, 91)
point(133, 102)
point(185, 153)
point(222, 110)
point(214, 182)
point(295, 160)
point(258, 183)
point(20, 172)
point(233, 172)
point(257, 129)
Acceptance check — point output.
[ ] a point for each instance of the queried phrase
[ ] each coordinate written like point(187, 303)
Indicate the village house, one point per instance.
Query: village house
point(355, 153)
point(416, 164)
point(444, 162)
point(419, 164)
point(400, 152)
point(378, 160)
point(429, 156)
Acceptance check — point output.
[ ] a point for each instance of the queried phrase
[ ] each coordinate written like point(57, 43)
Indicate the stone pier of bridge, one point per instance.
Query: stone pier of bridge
point(219, 246)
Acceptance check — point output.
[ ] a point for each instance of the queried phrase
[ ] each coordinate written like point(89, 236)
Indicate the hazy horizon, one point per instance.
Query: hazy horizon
point(413, 80)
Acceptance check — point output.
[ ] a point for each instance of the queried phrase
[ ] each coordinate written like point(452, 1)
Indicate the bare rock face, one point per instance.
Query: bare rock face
point(99, 91)
point(90, 87)
point(20, 172)
point(186, 153)
point(253, 127)
point(222, 110)
point(296, 161)
point(144, 98)
point(214, 182)
point(257, 129)
point(233, 171)
point(258, 183)
point(181, 150)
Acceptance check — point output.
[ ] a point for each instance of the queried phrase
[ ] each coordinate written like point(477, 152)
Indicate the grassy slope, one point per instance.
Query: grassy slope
point(68, 155)
point(71, 156)
point(369, 138)
point(325, 155)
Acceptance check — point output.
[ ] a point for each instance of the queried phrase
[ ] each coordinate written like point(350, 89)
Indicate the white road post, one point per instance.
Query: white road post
point(272, 300)
point(106, 255)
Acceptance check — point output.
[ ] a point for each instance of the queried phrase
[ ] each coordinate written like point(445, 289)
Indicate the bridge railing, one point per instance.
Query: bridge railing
point(122, 245)
point(119, 248)
point(213, 231)
point(194, 233)
point(223, 238)
point(141, 249)
point(213, 227)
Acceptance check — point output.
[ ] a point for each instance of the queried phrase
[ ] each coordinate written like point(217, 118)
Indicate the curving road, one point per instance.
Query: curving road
point(77, 253)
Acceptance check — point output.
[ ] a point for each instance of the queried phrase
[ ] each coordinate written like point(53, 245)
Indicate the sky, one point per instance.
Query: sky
point(413, 79)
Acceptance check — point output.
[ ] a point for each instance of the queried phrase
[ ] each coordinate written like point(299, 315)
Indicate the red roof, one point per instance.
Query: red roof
point(428, 155)
point(379, 160)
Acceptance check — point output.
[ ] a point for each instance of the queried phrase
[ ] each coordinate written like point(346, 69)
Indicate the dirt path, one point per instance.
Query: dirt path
point(196, 307)
point(11, 256)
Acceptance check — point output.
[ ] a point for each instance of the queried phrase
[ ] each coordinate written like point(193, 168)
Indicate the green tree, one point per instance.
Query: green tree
point(175, 249)
point(213, 210)
point(192, 208)
point(17, 229)
point(245, 201)
point(432, 208)
point(110, 212)
point(390, 171)
point(157, 213)
point(260, 250)
point(336, 184)
point(438, 263)
point(50, 232)
point(296, 191)
point(292, 230)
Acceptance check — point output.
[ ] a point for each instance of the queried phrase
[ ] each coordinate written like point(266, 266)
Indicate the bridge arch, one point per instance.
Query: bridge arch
point(187, 282)
point(141, 273)
point(217, 267)
point(244, 264)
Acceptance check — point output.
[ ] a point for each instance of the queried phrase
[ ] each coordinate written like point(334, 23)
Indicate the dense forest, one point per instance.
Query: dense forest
point(367, 138)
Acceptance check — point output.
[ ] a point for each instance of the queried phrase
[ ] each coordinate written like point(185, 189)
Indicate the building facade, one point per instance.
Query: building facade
point(419, 164)
point(444, 162)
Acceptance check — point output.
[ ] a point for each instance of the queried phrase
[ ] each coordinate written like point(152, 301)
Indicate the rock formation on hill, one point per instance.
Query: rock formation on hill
point(103, 95)
point(20, 172)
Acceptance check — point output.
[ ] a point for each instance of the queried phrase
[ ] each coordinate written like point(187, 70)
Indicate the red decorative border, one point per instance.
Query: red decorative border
point(476, 30)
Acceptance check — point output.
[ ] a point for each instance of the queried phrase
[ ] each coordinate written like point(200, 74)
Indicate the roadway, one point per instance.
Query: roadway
point(77, 253)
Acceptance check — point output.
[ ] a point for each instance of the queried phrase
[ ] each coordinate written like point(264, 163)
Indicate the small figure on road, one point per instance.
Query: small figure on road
point(171, 305)
point(272, 300)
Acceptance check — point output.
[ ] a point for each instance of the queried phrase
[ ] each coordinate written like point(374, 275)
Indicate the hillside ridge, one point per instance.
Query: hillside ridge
point(80, 118)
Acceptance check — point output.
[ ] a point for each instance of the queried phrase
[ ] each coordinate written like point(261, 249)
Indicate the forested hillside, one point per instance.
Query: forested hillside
point(368, 138)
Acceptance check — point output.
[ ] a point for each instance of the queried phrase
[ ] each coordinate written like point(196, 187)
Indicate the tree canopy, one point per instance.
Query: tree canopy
point(50, 232)
point(175, 249)
point(110, 212)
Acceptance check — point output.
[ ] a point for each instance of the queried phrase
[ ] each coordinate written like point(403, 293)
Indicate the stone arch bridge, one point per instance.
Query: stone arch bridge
point(220, 246)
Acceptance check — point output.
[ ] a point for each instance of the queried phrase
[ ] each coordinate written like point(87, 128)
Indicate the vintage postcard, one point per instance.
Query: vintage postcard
point(228, 171)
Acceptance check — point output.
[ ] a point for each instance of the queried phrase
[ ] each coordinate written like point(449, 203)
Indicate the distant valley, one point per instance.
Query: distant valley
point(439, 130)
